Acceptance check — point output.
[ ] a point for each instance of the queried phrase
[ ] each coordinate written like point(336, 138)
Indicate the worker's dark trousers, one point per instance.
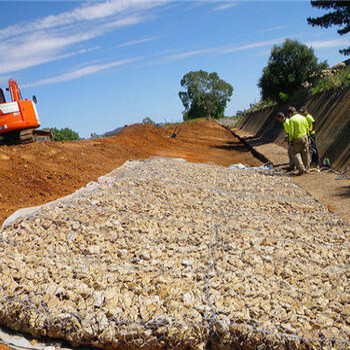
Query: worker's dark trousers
point(313, 150)
point(301, 153)
point(290, 155)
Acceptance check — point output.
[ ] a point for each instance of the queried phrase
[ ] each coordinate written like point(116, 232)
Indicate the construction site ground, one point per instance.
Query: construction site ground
point(328, 186)
point(37, 173)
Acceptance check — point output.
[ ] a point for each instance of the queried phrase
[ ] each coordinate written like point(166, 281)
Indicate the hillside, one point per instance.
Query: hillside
point(37, 173)
point(331, 111)
point(33, 174)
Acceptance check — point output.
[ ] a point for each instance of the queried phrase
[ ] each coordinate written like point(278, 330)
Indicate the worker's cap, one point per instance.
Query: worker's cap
point(281, 116)
point(303, 109)
point(291, 109)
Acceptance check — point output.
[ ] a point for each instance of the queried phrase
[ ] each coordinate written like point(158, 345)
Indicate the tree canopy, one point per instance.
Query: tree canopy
point(206, 95)
point(65, 134)
point(339, 17)
point(148, 120)
point(289, 66)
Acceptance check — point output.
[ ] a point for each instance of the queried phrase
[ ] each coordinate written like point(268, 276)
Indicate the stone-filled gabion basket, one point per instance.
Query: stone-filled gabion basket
point(165, 254)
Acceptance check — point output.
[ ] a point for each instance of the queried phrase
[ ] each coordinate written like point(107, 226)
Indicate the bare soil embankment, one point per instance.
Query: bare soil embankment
point(37, 173)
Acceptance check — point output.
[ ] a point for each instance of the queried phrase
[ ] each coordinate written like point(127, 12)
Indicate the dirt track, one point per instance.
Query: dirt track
point(37, 173)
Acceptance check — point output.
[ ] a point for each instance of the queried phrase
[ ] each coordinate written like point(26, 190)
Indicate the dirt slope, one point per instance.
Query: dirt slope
point(37, 173)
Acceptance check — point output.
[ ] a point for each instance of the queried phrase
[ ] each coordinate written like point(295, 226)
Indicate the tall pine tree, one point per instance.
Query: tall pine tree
point(339, 16)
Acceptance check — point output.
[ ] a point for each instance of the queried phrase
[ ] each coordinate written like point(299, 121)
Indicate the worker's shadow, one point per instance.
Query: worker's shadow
point(344, 191)
point(232, 146)
point(257, 140)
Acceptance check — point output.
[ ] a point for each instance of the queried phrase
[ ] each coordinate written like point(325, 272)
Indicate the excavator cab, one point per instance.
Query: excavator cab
point(19, 118)
point(2, 96)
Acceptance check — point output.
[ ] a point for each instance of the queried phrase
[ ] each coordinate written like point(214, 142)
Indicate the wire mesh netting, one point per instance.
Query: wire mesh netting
point(167, 254)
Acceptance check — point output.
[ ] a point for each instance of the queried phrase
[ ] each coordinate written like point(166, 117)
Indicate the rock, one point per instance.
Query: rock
point(98, 298)
point(145, 256)
point(188, 299)
point(187, 262)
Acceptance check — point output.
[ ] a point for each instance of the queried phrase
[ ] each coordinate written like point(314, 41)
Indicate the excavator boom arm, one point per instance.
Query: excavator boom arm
point(15, 91)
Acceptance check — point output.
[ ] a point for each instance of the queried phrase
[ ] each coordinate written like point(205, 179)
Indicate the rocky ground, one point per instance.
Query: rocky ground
point(169, 254)
point(165, 254)
point(331, 187)
point(37, 173)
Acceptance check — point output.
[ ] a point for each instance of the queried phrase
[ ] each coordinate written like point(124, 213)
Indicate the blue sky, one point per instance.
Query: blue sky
point(98, 65)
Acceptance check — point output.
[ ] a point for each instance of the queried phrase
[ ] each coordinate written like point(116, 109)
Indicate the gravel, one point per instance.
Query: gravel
point(166, 254)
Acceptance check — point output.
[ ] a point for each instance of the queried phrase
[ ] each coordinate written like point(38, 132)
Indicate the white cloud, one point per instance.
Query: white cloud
point(83, 13)
point(324, 44)
point(254, 45)
point(135, 42)
point(78, 73)
point(17, 65)
point(192, 53)
point(122, 22)
point(273, 29)
point(37, 48)
point(225, 6)
point(56, 37)
point(227, 49)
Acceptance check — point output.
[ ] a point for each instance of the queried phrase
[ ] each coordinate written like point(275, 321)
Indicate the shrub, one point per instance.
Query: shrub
point(65, 134)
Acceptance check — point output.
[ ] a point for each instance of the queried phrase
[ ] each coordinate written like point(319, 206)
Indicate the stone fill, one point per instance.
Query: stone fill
point(167, 254)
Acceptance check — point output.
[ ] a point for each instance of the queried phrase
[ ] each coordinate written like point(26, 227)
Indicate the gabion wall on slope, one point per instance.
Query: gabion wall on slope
point(166, 254)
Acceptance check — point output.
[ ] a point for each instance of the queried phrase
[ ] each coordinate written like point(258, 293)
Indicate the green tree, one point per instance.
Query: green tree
point(339, 17)
point(94, 135)
point(65, 134)
point(289, 66)
point(206, 95)
point(148, 120)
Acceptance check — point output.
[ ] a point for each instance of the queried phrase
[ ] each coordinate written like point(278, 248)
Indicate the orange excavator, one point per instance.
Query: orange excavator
point(19, 118)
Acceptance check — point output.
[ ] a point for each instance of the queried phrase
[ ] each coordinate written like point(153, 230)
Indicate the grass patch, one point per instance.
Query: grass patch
point(331, 81)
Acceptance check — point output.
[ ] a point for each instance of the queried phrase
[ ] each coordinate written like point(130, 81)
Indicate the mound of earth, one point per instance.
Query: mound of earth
point(33, 174)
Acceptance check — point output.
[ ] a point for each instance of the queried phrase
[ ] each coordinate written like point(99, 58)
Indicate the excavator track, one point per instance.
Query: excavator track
point(26, 136)
point(43, 135)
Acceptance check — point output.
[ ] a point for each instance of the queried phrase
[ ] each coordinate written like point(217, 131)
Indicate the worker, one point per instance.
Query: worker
point(299, 139)
point(311, 122)
point(285, 122)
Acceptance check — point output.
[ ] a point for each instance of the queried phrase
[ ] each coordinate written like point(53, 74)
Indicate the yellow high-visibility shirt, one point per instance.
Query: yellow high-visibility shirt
point(286, 125)
point(310, 121)
point(298, 127)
